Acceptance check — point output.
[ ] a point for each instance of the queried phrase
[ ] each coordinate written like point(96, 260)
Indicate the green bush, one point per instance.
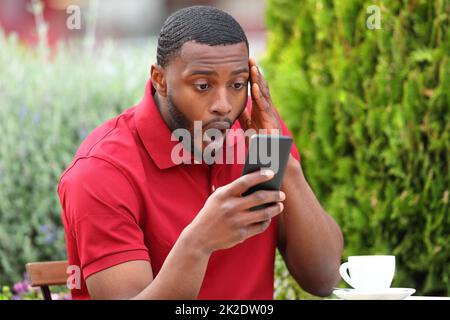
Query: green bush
point(370, 110)
point(23, 291)
point(46, 110)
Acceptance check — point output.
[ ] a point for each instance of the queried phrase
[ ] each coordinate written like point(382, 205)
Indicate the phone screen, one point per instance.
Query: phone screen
point(267, 152)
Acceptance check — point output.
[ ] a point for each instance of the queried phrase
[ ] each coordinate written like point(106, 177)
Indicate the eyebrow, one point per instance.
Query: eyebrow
point(214, 73)
point(242, 70)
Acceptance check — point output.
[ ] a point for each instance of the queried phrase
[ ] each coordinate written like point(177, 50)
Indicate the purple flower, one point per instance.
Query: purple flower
point(50, 238)
point(17, 287)
point(55, 296)
point(36, 118)
point(23, 111)
point(21, 287)
point(49, 233)
point(44, 228)
point(82, 133)
point(26, 277)
point(67, 297)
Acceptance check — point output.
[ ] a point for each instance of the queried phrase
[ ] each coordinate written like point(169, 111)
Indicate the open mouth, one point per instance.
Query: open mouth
point(221, 126)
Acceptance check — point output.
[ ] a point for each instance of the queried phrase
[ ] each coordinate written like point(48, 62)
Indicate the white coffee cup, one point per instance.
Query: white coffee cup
point(373, 272)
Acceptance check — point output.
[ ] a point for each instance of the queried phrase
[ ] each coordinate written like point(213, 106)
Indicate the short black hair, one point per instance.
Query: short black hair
point(201, 24)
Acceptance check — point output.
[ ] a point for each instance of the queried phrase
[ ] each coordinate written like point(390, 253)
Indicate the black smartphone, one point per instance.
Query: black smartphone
point(267, 152)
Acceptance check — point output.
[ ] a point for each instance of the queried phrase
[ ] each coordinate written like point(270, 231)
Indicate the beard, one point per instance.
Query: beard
point(178, 120)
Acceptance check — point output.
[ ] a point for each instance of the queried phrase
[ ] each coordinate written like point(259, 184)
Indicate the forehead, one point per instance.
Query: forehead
point(194, 54)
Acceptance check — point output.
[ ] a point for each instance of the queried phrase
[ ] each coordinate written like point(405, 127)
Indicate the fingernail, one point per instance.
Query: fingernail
point(282, 195)
point(267, 172)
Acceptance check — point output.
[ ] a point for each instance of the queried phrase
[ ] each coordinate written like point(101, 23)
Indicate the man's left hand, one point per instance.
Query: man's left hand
point(263, 114)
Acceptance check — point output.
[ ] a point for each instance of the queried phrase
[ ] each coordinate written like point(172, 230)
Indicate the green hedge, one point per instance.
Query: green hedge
point(370, 110)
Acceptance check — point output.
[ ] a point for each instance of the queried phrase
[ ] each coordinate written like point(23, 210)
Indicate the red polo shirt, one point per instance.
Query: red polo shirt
point(124, 199)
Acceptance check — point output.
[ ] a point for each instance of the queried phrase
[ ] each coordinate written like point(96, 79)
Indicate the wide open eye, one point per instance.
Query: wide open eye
point(201, 86)
point(238, 85)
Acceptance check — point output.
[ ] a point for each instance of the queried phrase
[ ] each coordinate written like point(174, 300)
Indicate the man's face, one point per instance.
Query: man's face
point(208, 84)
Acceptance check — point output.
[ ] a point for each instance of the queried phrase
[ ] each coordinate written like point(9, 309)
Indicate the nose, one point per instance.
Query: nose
point(221, 106)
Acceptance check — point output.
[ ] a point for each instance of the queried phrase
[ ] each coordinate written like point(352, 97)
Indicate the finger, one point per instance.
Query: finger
point(257, 228)
point(259, 79)
point(254, 74)
point(251, 62)
point(260, 101)
point(263, 214)
point(261, 197)
point(265, 88)
point(242, 184)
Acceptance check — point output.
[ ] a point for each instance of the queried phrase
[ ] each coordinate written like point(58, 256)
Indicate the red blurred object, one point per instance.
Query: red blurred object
point(16, 16)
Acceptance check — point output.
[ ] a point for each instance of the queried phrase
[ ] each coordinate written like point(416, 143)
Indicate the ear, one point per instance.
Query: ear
point(158, 79)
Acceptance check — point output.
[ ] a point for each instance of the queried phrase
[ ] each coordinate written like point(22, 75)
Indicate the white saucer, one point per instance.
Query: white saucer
point(383, 294)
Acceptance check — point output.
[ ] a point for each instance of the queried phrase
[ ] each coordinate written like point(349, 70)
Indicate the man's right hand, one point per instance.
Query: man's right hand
point(226, 220)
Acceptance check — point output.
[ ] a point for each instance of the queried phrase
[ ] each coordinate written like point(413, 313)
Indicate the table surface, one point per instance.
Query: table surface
point(427, 298)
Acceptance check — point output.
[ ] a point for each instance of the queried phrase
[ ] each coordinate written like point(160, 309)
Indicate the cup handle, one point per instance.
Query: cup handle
point(343, 270)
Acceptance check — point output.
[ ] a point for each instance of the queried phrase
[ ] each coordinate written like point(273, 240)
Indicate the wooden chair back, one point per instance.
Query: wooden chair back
point(47, 273)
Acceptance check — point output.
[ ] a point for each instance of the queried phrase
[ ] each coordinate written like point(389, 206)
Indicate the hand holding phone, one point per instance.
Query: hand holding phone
point(267, 152)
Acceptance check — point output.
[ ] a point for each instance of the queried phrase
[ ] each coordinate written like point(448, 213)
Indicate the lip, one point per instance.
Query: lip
point(219, 125)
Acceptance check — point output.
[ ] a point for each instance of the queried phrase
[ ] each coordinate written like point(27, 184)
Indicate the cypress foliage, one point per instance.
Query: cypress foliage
point(370, 111)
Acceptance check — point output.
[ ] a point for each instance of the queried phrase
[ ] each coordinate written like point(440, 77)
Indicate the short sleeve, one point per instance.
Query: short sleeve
point(101, 210)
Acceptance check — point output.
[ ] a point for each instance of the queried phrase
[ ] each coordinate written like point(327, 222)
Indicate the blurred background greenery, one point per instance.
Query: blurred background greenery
point(369, 109)
point(46, 109)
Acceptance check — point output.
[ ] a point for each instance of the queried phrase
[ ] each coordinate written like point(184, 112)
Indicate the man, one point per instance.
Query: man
point(141, 226)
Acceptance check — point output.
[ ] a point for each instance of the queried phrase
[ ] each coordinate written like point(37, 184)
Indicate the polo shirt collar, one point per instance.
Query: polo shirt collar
point(156, 135)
